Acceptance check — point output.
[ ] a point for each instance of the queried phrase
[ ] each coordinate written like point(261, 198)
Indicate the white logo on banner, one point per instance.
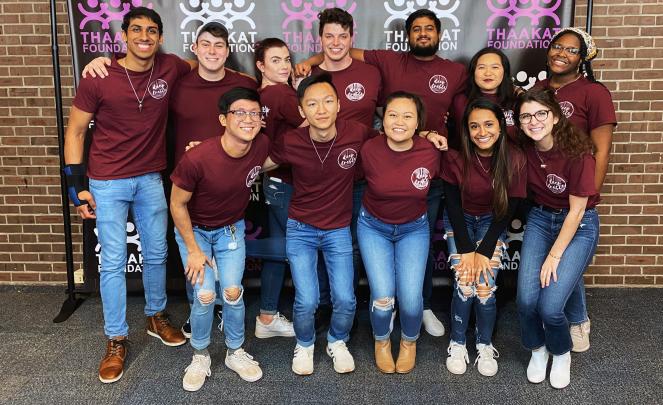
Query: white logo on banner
point(404, 8)
point(555, 183)
point(526, 81)
point(420, 178)
point(134, 260)
point(347, 158)
point(209, 11)
point(355, 91)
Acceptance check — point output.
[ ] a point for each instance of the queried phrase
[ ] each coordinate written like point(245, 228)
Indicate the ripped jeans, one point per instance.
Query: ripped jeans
point(226, 247)
point(467, 293)
point(395, 262)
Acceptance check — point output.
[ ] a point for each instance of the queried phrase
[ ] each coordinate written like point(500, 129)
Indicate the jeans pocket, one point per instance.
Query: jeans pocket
point(421, 220)
point(100, 184)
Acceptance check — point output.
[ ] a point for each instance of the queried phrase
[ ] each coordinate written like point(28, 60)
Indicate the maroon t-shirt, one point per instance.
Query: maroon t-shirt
point(587, 105)
point(398, 182)
point(562, 176)
point(281, 108)
point(461, 102)
point(477, 188)
point(128, 142)
point(195, 107)
point(437, 82)
point(221, 184)
point(322, 192)
point(358, 86)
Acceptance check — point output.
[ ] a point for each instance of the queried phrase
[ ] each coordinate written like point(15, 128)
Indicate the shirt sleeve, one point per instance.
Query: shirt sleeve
point(601, 109)
point(288, 108)
point(581, 176)
point(449, 168)
point(278, 152)
point(185, 175)
point(87, 95)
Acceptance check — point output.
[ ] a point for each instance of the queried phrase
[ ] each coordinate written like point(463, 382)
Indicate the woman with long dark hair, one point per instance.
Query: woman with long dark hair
point(587, 104)
point(483, 184)
point(279, 101)
point(392, 228)
point(561, 234)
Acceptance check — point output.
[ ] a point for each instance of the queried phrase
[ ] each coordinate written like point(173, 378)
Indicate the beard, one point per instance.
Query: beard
point(424, 51)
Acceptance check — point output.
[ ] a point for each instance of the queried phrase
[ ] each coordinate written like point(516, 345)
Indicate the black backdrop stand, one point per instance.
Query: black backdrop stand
point(72, 302)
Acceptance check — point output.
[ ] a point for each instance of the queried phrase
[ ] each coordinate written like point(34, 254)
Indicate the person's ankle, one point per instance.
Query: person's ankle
point(266, 319)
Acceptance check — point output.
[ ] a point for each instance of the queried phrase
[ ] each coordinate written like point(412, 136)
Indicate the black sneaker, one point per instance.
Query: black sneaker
point(186, 329)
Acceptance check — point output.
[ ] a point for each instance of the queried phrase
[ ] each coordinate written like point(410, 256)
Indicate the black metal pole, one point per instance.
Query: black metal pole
point(71, 303)
point(590, 9)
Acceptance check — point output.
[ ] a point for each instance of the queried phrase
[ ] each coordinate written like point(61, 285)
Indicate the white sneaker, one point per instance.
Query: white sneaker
point(536, 369)
point(560, 372)
point(243, 364)
point(432, 325)
point(343, 361)
point(580, 337)
point(280, 326)
point(196, 372)
point(302, 361)
point(458, 359)
point(485, 361)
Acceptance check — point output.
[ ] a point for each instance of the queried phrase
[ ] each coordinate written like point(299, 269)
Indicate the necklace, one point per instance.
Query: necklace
point(566, 84)
point(322, 160)
point(479, 160)
point(140, 100)
point(543, 164)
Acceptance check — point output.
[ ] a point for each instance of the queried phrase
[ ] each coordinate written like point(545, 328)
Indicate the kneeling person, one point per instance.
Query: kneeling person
point(211, 190)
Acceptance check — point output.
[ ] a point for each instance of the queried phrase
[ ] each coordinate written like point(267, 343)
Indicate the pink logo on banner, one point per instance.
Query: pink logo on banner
point(555, 183)
point(515, 9)
point(307, 11)
point(420, 178)
point(105, 13)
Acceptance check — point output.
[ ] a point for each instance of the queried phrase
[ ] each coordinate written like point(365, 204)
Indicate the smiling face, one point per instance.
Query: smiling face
point(423, 37)
point(242, 129)
point(336, 42)
point(400, 121)
point(211, 51)
point(489, 73)
point(320, 106)
point(277, 65)
point(561, 62)
point(142, 38)
point(539, 129)
point(484, 130)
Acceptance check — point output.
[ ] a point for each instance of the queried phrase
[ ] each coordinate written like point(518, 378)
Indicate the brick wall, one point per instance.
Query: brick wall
point(629, 32)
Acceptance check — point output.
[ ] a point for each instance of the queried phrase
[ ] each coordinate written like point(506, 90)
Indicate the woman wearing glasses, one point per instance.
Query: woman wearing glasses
point(279, 104)
point(588, 105)
point(561, 234)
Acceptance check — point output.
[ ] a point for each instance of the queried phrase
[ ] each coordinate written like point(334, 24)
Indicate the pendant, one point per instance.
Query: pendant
point(140, 107)
point(543, 166)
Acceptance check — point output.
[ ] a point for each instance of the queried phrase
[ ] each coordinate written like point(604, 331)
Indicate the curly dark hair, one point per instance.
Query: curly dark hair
point(568, 138)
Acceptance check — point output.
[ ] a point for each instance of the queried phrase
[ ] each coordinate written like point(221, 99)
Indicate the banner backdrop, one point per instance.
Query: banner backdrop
point(521, 28)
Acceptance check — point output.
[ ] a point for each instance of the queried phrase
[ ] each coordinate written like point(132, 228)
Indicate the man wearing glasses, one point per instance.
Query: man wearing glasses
point(211, 190)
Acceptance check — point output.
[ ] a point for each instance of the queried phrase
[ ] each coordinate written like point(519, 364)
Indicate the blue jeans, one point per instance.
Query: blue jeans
point(144, 196)
point(395, 261)
point(433, 201)
point(217, 245)
point(541, 311)
point(303, 242)
point(277, 198)
point(466, 295)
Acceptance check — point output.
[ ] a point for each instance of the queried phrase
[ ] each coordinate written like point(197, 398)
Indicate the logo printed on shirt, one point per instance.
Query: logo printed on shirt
point(420, 178)
point(438, 84)
point(555, 183)
point(508, 116)
point(265, 111)
point(158, 89)
point(252, 176)
point(347, 158)
point(567, 108)
point(355, 91)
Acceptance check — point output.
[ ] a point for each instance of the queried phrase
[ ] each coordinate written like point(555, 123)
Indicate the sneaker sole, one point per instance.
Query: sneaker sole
point(491, 374)
point(302, 373)
point(186, 335)
point(248, 379)
point(456, 372)
point(156, 335)
point(112, 380)
point(192, 388)
point(580, 349)
point(329, 353)
point(267, 335)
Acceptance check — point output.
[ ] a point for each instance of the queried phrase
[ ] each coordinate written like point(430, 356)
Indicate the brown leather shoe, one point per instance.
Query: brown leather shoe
point(383, 357)
point(111, 367)
point(159, 327)
point(407, 356)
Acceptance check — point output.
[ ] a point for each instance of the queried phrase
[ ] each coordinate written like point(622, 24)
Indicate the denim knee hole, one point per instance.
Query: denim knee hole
point(232, 295)
point(383, 304)
point(206, 297)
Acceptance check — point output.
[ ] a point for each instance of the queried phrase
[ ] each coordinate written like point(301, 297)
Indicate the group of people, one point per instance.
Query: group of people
point(336, 187)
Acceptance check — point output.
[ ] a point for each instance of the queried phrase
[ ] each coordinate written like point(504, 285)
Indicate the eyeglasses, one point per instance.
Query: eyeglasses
point(254, 115)
point(568, 49)
point(539, 115)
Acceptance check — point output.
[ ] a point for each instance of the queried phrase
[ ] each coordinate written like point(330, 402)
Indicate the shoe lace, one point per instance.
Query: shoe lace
point(577, 332)
point(487, 352)
point(280, 318)
point(456, 350)
point(198, 365)
point(115, 347)
point(243, 357)
point(162, 320)
point(301, 351)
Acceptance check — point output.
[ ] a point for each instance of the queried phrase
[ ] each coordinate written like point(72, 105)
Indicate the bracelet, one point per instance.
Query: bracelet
point(554, 257)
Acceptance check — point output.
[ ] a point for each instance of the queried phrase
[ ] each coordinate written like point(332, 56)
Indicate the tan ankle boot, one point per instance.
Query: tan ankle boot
point(383, 357)
point(407, 356)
